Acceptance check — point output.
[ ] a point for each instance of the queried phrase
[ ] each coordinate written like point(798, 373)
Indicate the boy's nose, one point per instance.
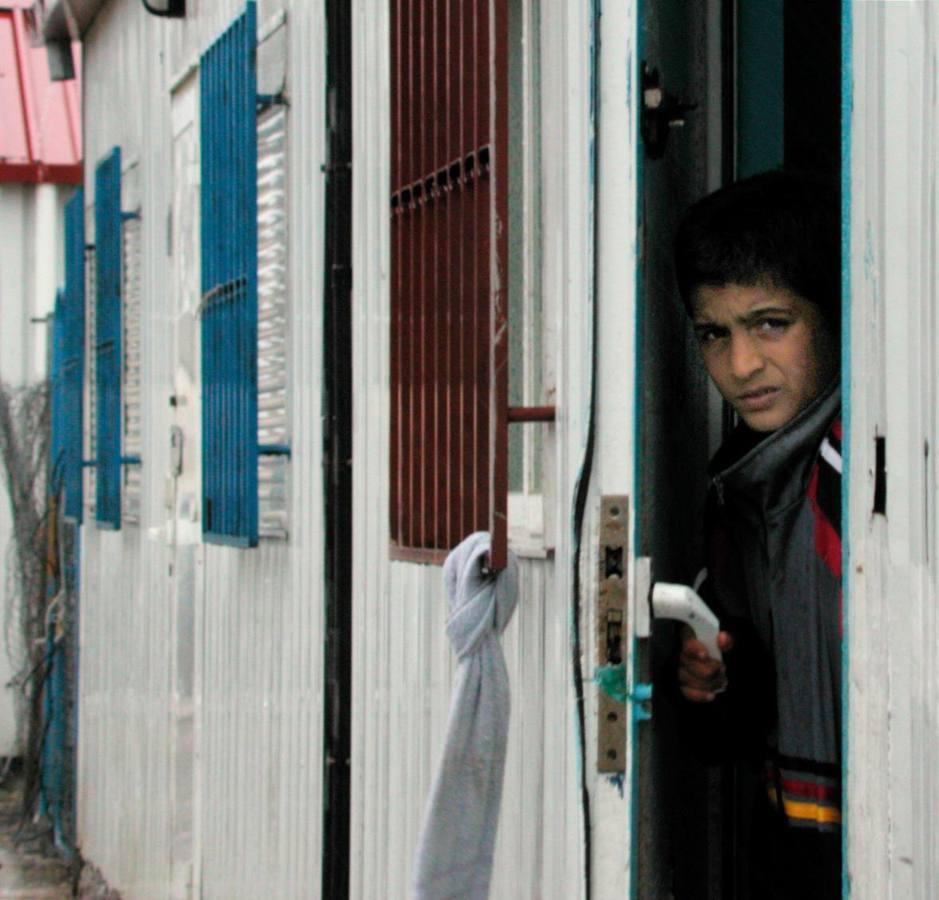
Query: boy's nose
point(745, 357)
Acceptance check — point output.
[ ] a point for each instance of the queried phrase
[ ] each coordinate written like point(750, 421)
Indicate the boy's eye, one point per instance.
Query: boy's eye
point(772, 326)
point(707, 334)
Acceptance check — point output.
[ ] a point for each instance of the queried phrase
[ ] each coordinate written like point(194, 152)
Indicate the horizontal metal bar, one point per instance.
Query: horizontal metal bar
point(433, 184)
point(423, 555)
point(227, 540)
point(40, 173)
point(265, 101)
point(228, 287)
point(532, 414)
point(273, 449)
point(131, 216)
point(89, 463)
point(107, 525)
point(130, 460)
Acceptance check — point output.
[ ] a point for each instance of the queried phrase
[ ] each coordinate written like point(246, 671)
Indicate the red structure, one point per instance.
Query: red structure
point(449, 268)
point(40, 137)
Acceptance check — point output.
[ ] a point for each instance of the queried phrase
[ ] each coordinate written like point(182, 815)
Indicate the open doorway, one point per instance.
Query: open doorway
point(731, 89)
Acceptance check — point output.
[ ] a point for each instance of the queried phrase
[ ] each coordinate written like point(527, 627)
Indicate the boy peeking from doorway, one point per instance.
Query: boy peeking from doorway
point(759, 271)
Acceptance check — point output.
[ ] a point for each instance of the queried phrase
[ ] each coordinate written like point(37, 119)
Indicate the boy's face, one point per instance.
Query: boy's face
point(767, 350)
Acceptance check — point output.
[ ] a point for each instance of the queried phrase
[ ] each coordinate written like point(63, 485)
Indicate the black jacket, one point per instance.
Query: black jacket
point(774, 579)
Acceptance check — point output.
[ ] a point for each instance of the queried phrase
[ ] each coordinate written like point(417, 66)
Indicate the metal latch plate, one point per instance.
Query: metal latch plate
point(612, 630)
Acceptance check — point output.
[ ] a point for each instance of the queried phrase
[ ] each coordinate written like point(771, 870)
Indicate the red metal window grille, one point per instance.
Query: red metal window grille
point(449, 254)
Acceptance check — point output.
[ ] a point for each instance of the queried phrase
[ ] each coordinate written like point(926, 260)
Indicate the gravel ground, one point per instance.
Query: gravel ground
point(30, 866)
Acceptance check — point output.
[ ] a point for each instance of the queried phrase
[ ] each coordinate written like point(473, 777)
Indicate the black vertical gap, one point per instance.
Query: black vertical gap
point(728, 133)
point(728, 90)
point(812, 89)
point(880, 475)
point(337, 451)
point(724, 797)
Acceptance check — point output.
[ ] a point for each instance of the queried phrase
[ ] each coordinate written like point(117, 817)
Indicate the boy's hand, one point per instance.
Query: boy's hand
point(700, 677)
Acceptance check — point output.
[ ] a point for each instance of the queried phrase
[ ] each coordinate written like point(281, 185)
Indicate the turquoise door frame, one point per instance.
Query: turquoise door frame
point(847, 103)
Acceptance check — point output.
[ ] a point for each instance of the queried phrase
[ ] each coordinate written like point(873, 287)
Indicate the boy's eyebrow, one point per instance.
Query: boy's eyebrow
point(750, 316)
point(761, 312)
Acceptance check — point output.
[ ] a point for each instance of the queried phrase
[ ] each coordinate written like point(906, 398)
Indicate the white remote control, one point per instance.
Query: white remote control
point(678, 601)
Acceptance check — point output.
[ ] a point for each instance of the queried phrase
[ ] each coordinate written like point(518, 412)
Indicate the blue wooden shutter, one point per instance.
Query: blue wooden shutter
point(228, 96)
point(57, 437)
point(108, 340)
point(73, 354)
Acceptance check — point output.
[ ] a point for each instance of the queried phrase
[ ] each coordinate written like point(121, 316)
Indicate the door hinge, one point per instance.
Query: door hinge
point(661, 113)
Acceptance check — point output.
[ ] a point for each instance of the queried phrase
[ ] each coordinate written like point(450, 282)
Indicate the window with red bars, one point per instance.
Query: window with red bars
point(449, 261)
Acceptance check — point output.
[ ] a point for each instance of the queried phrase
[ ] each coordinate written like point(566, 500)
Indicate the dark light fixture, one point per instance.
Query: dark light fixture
point(170, 9)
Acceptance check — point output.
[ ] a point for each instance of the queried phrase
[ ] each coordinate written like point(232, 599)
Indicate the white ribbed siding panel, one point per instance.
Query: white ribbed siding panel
point(402, 660)
point(187, 39)
point(893, 752)
point(124, 810)
point(261, 700)
point(123, 821)
point(259, 668)
point(201, 715)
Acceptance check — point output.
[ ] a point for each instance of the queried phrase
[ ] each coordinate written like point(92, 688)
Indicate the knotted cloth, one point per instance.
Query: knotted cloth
point(454, 857)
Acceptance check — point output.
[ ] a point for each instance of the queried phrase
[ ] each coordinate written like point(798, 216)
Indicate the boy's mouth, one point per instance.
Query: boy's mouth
point(759, 399)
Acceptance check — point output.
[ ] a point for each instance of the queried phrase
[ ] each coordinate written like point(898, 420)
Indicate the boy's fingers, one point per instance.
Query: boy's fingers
point(696, 695)
point(687, 680)
point(700, 677)
point(698, 659)
point(691, 646)
point(711, 679)
point(705, 671)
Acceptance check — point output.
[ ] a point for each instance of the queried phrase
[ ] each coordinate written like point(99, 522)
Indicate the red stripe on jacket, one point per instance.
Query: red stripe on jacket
point(827, 540)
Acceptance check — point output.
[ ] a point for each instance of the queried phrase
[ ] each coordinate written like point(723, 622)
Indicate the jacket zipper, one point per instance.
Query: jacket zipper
point(719, 488)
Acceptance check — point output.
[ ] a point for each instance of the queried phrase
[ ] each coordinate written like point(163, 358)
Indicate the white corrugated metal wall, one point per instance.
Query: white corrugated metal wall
point(258, 656)
point(402, 659)
point(124, 815)
point(192, 652)
point(31, 266)
point(893, 633)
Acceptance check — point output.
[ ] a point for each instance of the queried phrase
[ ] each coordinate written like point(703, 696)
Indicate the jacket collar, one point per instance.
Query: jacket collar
point(773, 472)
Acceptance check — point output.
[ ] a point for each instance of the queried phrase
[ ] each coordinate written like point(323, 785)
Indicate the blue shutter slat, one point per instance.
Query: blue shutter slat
point(108, 335)
point(228, 133)
point(73, 362)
